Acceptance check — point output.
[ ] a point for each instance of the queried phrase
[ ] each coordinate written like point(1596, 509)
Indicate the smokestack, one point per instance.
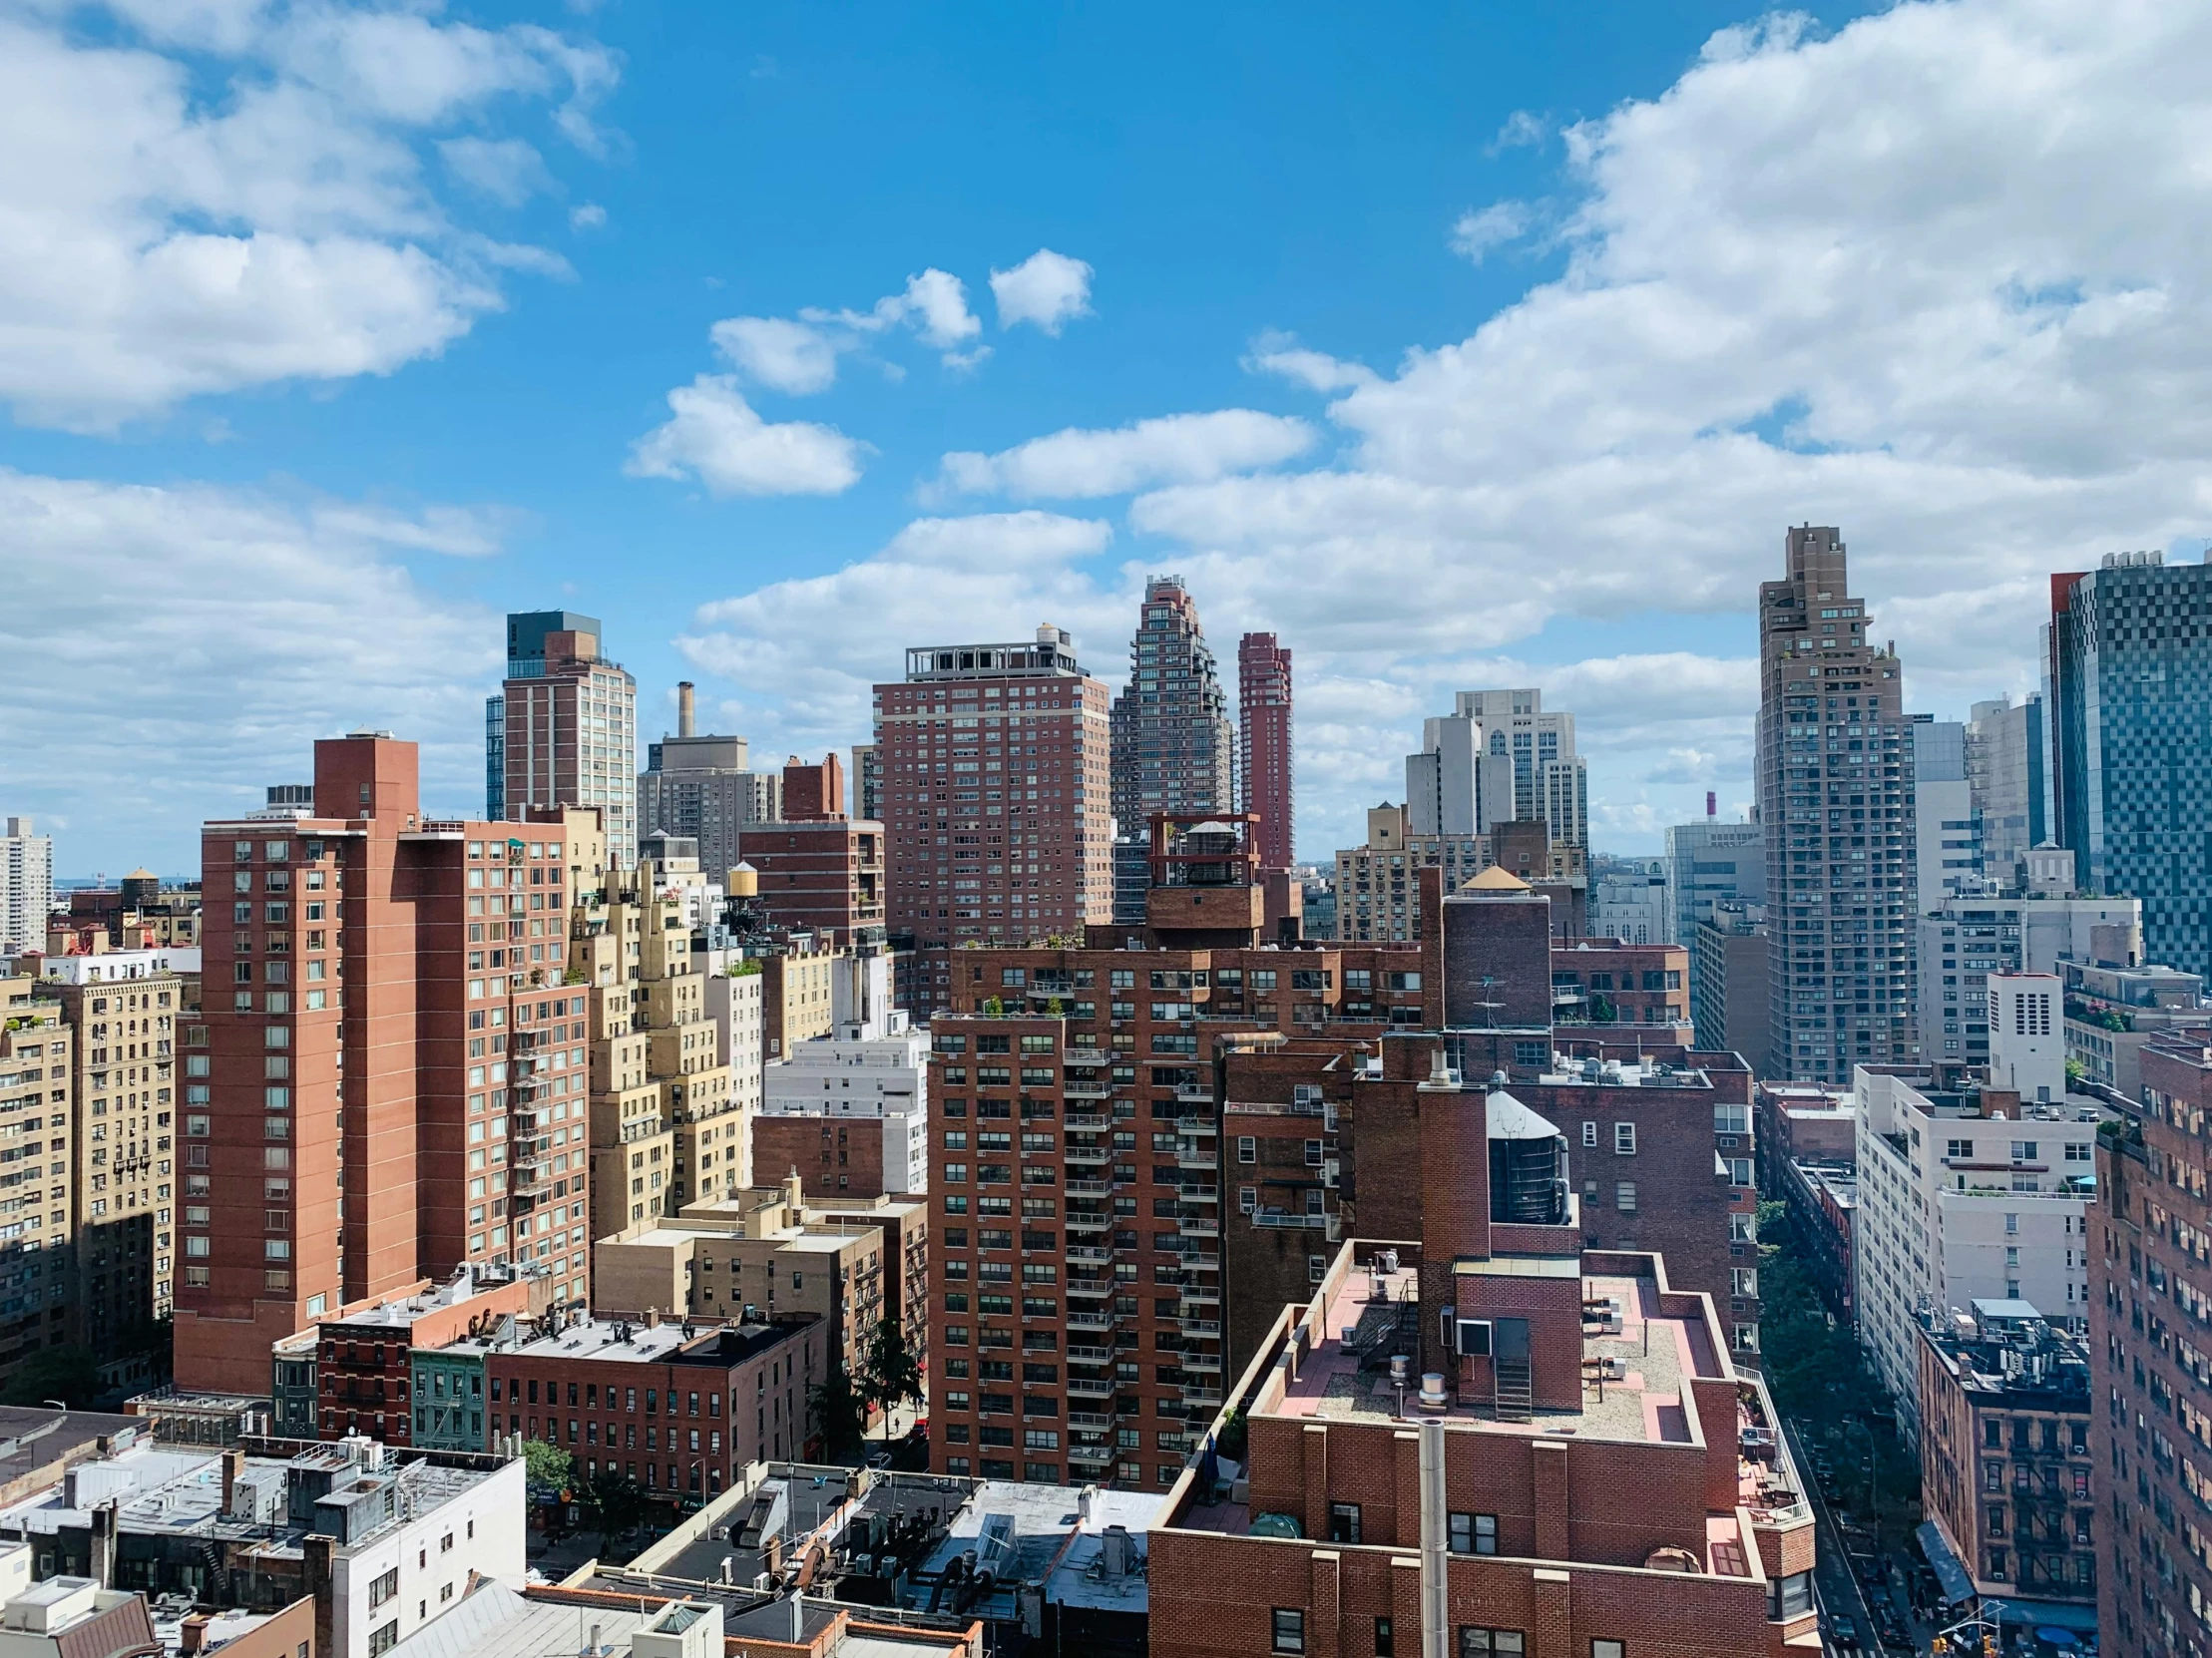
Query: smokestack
point(1713, 800)
point(1435, 1609)
point(686, 709)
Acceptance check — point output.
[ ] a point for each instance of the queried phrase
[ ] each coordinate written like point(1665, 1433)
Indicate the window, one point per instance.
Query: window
point(1788, 1597)
point(1344, 1523)
point(382, 1640)
point(1386, 1643)
point(1625, 1139)
point(1247, 1149)
point(1289, 1629)
point(384, 1588)
point(1599, 1647)
point(1624, 1197)
point(1472, 1533)
point(1589, 1134)
point(1482, 1643)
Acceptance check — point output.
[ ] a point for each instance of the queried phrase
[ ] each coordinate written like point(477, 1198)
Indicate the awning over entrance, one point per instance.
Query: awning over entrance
point(1951, 1573)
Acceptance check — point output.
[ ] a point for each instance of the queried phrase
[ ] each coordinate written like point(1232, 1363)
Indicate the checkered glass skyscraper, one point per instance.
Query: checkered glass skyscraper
point(2130, 648)
point(1836, 795)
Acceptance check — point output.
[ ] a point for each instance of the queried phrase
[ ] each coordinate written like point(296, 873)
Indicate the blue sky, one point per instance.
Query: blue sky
point(1469, 345)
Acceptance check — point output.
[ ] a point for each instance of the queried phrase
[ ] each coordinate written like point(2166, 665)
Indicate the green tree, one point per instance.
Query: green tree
point(616, 1502)
point(839, 1410)
point(547, 1465)
point(64, 1372)
point(889, 1375)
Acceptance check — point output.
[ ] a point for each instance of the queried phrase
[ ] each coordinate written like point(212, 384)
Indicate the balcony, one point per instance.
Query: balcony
point(1089, 1355)
point(1089, 1223)
point(1091, 1418)
point(1085, 1090)
point(1094, 1455)
point(1203, 1362)
point(1198, 1226)
point(1200, 1263)
point(1090, 1254)
point(1090, 1287)
point(1199, 1194)
point(1201, 1392)
point(1086, 1124)
point(1090, 1188)
point(1190, 1154)
point(1205, 1330)
point(1088, 1157)
point(1080, 1389)
point(1198, 1126)
point(1090, 1321)
point(1194, 1093)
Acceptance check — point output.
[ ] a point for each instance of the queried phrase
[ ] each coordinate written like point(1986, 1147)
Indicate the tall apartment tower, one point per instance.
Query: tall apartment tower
point(569, 726)
point(1947, 834)
point(699, 787)
point(2008, 755)
point(1264, 744)
point(37, 1257)
point(1174, 747)
point(867, 782)
point(2131, 675)
point(1497, 757)
point(369, 1097)
point(26, 887)
point(993, 761)
point(1836, 798)
point(1711, 863)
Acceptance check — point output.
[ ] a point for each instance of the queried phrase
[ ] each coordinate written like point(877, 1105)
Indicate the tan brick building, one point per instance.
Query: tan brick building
point(129, 1009)
point(37, 1217)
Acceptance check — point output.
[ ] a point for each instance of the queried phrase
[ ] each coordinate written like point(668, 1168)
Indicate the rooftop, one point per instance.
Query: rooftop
point(1569, 1070)
point(1043, 1534)
point(401, 1312)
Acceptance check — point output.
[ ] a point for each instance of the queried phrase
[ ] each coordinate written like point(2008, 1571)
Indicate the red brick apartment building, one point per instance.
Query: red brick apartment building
point(1264, 751)
point(1609, 981)
point(1258, 1074)
point(817, 870)
point(993, 760)
point(1440, 1436)
point(378, 985)
point(677, 1409)
point(2150, 1305)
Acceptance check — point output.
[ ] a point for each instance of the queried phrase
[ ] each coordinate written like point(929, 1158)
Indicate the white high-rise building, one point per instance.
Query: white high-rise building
point(1947, 832)
point(873, 1068)
point(2027, 1036)
point(26, 887)
point(1497, 757)
point(1965, 1199)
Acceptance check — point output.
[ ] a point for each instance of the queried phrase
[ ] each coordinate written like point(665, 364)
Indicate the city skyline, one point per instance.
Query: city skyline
point(319, 533)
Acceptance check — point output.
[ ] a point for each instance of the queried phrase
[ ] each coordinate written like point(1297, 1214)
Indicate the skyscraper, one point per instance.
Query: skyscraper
point(569, 726)
point(26, 887)
point(1174, 747)
point(1710, 862)
point(1497, 757)
point(2131, 653)
point(1264, 756)
point(1836, 798)
point(993, 763)
point(2007, 767)
point(370, 1097)
point(1947, 834)
point(698, 788)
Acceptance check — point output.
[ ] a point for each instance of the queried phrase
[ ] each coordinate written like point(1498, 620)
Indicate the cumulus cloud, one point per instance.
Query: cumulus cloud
point(777, 352)
point(1170, 449)
point(588, 216)
point(257, 626)
point(164, 242)
point(715, 436)
point(1047, 288)
point(1282, 355)
point(1474, 234)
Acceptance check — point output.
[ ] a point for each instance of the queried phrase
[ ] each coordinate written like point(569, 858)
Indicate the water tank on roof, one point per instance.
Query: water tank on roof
point(1527, 1164)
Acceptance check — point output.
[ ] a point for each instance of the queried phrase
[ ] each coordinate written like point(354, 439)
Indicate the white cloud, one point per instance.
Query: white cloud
point(1047, 288)
point(1477, 234)
point(1170, 449)
point(988, 539)
point(1524, 129)
point(716, 437)
point(257, 626)
point(257, 211)
point(777, 352)
point(937, 304)
point(509, 171)
point(588, 216)
point(1282, 355)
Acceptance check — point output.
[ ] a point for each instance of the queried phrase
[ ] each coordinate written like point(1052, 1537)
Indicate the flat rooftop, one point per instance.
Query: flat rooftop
point(401, 1312)
point(1654, 1352)
point(1054, 1538)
